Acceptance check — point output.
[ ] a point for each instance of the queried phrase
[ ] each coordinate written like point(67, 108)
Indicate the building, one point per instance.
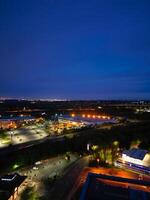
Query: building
point(137, 156)
point(104, 187)
point(13, 122)
point(7, 124)
point(9, 186)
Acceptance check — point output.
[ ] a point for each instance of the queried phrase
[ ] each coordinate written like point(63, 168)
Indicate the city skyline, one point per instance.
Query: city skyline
point(75, 49)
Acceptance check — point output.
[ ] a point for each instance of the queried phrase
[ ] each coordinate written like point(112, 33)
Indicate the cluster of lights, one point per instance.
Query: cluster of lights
point(92, 116)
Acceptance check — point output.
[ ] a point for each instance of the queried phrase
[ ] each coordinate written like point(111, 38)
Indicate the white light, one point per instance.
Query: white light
point(9, 179)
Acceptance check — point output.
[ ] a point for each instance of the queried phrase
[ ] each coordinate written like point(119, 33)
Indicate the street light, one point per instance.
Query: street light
point(98, 160)
point(11, 136)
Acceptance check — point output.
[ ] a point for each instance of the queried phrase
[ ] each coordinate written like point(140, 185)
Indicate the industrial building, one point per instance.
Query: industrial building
point(137, 156)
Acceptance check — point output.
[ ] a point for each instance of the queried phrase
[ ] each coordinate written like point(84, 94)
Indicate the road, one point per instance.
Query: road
point(11, 153)
point(64, 185)
point(18, 147)
point(46, 170)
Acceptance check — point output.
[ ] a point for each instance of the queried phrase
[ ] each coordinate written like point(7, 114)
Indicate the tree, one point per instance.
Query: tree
point(29, 194)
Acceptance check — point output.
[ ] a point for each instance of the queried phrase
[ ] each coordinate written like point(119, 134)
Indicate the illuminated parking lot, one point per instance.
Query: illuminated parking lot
point(23, 135)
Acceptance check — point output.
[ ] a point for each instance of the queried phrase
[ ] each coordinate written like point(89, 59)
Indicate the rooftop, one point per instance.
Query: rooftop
point(19, 118)
point(8, 184)
point(106, 187)
point(136, 153)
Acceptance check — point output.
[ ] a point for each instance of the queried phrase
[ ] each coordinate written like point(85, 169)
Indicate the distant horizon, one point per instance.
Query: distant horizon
point(67, 99)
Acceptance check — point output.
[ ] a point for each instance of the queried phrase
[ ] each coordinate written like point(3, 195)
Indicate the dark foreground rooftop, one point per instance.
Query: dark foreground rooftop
point(102, 187)
point(8, 185)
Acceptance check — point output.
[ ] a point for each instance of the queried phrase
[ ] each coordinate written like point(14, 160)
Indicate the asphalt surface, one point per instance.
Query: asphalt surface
point(63, 185)
point(47, 169)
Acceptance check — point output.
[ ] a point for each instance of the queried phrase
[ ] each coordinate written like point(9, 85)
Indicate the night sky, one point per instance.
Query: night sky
point(75, 49)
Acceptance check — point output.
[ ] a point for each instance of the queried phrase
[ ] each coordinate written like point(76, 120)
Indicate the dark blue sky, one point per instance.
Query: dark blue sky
point(76, 49)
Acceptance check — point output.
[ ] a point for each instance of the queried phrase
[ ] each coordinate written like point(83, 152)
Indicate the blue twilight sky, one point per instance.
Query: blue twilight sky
point(75, 49)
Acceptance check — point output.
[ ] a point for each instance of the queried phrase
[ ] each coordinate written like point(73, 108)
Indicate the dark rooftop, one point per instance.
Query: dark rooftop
point(8, 183)
point(101, 187)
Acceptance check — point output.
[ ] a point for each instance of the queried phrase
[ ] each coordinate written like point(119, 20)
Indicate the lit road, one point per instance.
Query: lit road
point(48, 168)
point(64, 185)
point(30, 136)
point(16, 148)
point(73, 194)
point(32, 133)
point(45, 170)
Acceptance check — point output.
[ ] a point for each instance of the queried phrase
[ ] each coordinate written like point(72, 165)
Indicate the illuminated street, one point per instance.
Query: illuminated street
point(47, 169)
point(64, 185)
